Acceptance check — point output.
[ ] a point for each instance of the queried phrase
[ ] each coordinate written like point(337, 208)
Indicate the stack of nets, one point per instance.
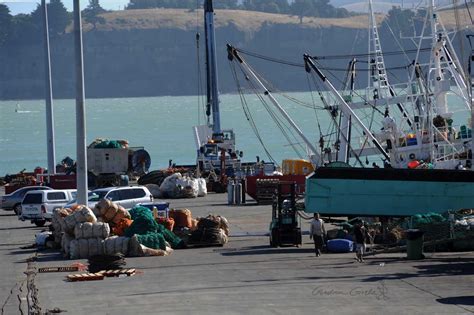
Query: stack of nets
point(106, 262)
point(210, 230)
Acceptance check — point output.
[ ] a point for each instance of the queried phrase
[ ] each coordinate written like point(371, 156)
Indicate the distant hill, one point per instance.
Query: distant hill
point(183, 19)
point(382, 6)
point(245, 21)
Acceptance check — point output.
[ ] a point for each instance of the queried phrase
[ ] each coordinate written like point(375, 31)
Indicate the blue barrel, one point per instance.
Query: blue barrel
point(340, 246)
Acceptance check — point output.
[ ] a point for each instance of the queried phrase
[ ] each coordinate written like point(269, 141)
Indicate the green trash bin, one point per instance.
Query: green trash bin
point(414, 244)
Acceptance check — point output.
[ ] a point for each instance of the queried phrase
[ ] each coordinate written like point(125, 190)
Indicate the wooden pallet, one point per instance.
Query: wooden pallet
point(85, 277)
point(118, 272)
point(58, 269)
point(101, 275)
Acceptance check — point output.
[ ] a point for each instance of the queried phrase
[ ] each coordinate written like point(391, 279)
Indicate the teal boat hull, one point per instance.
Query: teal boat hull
point(387, 192)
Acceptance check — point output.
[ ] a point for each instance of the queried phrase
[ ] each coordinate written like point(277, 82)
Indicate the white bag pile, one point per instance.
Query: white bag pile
point(116, 244)
point(110, 212)
point(82, 214)
point(82, 235)
point(179, 186)
point(58, 223)
point(85, 248)
point(66, 244)
point(202, 187)
point(92, 230)
point(138, 250)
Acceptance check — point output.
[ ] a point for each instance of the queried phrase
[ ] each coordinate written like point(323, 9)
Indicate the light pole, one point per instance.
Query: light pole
point(81, 164)
point(50, 143)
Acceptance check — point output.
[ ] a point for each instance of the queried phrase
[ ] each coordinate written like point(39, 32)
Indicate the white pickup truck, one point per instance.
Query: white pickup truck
point(38, 206)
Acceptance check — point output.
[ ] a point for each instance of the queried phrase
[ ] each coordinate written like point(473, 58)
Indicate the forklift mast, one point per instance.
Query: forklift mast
point(284, 228)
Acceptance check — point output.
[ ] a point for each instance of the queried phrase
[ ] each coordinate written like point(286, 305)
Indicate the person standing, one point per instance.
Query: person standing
point(317, 233)
point(359, 235)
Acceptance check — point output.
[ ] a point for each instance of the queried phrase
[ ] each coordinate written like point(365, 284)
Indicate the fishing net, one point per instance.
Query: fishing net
point(150, 233)
point(152, 240)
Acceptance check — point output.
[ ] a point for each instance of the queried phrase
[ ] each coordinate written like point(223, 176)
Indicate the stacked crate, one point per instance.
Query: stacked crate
point(266, 188)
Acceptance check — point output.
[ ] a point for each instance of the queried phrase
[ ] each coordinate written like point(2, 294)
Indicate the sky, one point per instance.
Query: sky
point(26, 6)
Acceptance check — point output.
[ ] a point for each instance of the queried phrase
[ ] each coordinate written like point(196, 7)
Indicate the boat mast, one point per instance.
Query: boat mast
point(377, 73)
point(211, 68)
point(441, 85)
point(346, 109)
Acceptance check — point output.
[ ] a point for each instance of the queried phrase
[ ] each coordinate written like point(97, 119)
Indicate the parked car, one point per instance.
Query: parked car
point(127, 197)
point(13, 201)
point(38, 206)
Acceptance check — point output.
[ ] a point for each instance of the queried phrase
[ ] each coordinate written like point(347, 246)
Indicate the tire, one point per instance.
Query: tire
point(17, 209)
point(40, 223)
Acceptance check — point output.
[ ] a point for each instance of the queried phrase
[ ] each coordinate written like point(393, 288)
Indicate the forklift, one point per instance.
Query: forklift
point(284, 228)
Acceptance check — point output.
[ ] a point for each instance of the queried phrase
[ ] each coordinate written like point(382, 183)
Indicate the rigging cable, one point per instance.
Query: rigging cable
point(199, 79)
point(404, 52)
point(280, 124)
point(468, 11)
point(247, 112)
point(314, 106)
point(328, 57)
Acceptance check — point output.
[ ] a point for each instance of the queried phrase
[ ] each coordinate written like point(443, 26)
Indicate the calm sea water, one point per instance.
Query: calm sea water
point(163, 125)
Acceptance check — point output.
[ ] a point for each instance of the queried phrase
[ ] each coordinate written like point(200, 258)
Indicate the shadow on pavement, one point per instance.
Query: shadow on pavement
point(50, 256)
point(247, 284)
point(20, 228)
point(22, 251)
point(9, 214)
point(265, 250)
point(439, 267)
point(458, 300)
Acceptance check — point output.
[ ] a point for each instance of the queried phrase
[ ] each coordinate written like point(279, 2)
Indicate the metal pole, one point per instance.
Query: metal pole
point(48, 96)
point(81, 169)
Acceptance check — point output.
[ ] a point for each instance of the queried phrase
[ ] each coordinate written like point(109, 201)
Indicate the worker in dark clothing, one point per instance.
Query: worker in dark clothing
point(359, 235)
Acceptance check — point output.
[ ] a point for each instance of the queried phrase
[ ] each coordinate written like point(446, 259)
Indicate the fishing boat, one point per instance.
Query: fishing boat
point(217, 155)
point(427, 155)
point(425, 146)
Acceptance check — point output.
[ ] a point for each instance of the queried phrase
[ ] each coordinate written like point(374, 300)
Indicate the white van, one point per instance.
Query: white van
point(38, 206)
point(127, 196)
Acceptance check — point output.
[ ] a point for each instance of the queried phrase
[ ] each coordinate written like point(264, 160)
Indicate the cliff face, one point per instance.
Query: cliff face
point(148, 62)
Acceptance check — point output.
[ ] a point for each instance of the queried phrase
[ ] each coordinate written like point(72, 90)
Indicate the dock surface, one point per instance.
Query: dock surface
point(245, 276)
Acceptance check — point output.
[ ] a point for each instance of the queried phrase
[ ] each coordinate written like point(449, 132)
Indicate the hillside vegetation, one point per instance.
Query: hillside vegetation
point(246, 21)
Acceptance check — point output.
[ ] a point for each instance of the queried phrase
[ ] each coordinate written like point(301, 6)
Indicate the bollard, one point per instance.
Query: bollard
point(244, 190)
point(230, 192)
point(238, 193)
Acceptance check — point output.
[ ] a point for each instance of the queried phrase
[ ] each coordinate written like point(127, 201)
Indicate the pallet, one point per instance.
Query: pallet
point(101, 275)
point(58, 269)
point(85, 277)
point(118, 272)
